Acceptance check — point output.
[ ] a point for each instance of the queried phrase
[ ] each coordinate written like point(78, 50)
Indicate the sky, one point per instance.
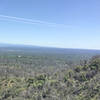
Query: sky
point(52, 23)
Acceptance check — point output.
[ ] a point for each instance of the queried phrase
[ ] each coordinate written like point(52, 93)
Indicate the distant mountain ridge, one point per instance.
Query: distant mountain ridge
point(32, 48)
point(35, 46)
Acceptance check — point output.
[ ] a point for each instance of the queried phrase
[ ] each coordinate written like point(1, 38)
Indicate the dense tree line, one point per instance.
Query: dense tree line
point(18, 82)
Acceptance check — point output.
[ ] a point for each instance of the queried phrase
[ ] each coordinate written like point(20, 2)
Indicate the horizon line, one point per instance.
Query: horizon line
point(47, 46)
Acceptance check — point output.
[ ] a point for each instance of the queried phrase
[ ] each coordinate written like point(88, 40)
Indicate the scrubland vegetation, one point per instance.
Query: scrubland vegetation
point(48, 77)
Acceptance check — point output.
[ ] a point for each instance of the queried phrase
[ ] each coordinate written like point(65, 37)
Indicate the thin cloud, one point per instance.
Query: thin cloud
point(31, 21)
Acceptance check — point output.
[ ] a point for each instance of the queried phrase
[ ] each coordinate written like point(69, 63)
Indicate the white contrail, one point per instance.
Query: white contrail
point(31, 21)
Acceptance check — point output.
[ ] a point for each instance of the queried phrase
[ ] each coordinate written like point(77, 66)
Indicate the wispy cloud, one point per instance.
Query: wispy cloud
point(31, 21)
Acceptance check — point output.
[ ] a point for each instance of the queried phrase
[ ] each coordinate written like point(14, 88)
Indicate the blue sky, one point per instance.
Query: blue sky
point(55, 23)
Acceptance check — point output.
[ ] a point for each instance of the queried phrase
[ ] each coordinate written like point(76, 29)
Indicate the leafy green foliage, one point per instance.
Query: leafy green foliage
point(19, 81)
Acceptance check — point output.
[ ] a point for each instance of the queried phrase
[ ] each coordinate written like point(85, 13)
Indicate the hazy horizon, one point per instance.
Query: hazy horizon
point(30, 45)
